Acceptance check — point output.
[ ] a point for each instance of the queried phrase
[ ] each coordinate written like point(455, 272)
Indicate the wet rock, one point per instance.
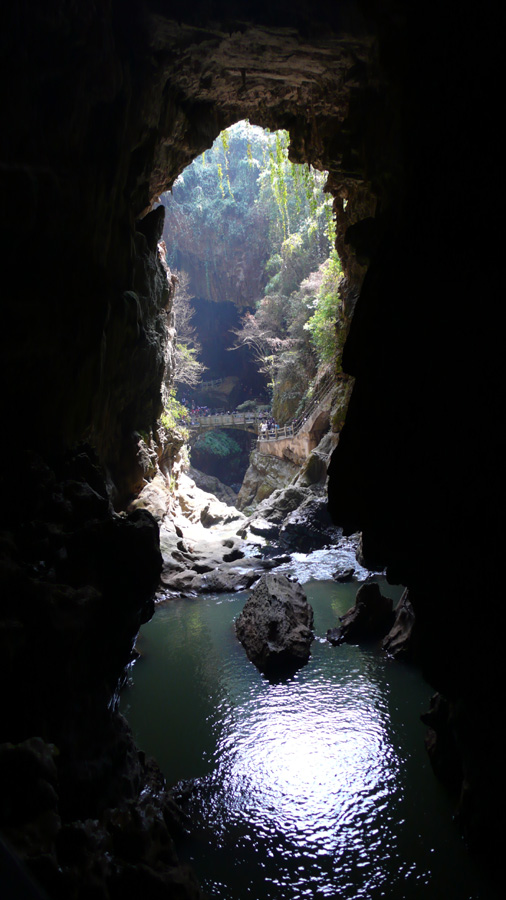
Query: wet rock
point(126, 845)
point(227, 579)
point(216, 513)
point(343, 574)
point(275, 626)
point(400, 641)
point(370, 617)
point(263, 528)
point(77, 577)
point(210, 579)
point(309, 527)
point(28, 784)
point(271, 552)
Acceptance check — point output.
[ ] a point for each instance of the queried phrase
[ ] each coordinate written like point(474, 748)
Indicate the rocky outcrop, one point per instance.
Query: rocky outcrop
point(79, 805)
point(202, 540)
point(265, 475)
point(275, 626)
point(314, 470)
point(198, 540)
point(275, 509)
point(309, 527)
point(77, 571)
point(401, 640)
point(297, 515)
point(274, 487)
point(212, 485)
point(126, 851)
point(368, 619)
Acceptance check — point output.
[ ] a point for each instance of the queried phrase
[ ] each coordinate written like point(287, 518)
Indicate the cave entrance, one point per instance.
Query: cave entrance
point(251, 237)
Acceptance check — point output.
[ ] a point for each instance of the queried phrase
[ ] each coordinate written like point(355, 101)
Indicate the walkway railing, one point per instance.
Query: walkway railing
point(237, 420)
point(278, 434)
point(252, 421)
point(213, 383)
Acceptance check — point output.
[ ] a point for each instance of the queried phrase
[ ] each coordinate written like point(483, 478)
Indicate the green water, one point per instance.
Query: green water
point(316, 786)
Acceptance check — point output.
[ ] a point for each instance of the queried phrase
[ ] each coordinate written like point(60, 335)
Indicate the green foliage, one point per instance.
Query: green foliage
point(247, 406)
point(245, 191)
point(174, 416)
point(247, 198)
point(322, 326)
point(187, 367)
point(218, 443)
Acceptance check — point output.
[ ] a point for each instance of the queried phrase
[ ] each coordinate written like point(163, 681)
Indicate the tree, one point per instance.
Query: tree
point(323, 326)
point(257, 229)
point(187, 368)
point(265, 333)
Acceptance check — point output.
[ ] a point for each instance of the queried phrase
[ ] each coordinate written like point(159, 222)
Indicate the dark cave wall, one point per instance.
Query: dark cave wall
point(85, 297)
point(421, 433)
point(106, 106)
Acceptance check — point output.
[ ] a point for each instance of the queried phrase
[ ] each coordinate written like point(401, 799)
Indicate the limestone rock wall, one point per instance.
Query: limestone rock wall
point(264, 475)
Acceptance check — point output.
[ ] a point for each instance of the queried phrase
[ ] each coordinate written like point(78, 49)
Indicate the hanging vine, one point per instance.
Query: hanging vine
point(225, 143)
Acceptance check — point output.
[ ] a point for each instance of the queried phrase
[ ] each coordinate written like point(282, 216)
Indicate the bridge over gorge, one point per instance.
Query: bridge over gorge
point(294, 442)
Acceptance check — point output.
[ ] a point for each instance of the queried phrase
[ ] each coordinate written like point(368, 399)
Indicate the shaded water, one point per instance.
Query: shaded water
point(316, 786)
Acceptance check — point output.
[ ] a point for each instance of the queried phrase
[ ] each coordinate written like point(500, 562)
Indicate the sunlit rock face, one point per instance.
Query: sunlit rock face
point(105, 107)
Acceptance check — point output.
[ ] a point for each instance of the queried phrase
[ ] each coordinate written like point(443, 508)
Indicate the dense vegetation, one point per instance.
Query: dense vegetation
point(251, 227)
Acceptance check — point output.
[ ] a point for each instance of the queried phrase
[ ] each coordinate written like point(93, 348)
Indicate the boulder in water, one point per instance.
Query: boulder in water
point(343, 574)
point(275, 626)
point(400, 641)
point(370, 617)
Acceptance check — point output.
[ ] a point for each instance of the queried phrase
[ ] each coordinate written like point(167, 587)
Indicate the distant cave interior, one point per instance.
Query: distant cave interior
point(106, 109)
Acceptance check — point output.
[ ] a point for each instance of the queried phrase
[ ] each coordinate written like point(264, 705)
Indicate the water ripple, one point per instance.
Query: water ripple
point(304, 787)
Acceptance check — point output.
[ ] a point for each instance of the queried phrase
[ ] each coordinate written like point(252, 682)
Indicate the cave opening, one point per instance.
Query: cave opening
point(297, 757)
point(250, 236)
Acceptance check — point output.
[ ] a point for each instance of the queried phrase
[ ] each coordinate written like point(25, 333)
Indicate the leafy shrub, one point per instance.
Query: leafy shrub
point(322, 325)
point(218, 443)
point(174, 416)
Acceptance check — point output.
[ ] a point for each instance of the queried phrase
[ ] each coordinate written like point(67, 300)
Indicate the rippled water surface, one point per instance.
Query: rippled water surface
point(317, 786)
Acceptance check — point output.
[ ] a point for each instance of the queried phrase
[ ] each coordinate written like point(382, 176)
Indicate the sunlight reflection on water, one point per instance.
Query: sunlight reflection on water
point(305, 768)
point(305, 786)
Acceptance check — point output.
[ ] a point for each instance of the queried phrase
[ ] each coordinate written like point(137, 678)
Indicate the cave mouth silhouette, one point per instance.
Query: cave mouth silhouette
point(104, 110)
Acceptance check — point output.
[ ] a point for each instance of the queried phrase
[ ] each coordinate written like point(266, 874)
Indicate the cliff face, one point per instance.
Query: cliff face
point(105, 107)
